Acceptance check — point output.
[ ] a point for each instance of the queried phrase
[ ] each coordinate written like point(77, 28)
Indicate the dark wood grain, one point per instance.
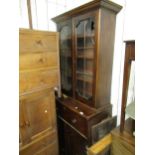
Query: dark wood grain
point(75, 130)
point(104, 60)
point(104, 15)
point(129, 57)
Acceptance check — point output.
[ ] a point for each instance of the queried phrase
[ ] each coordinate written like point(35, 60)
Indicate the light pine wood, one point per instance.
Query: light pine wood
point(38, 42)
point(38, 75)
point(33, 80)
point(36, 60)
point(99, 147)
point(39, 144)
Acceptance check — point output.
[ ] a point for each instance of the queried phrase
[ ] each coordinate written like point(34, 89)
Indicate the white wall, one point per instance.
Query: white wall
point(23, 22)
point(44, 10)
point(125, 30)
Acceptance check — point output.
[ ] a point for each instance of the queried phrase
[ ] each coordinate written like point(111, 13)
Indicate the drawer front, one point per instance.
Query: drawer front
point(38, 60)
point(73, 119)
point(37, 79)
point(35, 42)
point(38, 146)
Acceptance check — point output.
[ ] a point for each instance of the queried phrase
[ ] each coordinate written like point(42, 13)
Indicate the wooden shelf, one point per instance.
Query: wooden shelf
point(66, 49)
point(87, 93)
point(86, 73)
point(85, 80)
point(85, 57)
point(85, 48)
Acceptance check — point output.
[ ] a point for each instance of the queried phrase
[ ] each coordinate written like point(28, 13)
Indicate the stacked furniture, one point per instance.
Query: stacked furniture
point(39, 74)
point(87, 36)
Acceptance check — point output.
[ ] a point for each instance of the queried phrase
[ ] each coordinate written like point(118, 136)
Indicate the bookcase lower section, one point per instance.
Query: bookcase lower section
point(75, 132)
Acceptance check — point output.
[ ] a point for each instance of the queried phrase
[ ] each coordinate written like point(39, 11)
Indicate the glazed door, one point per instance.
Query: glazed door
point(66, 65)
point(85, 27)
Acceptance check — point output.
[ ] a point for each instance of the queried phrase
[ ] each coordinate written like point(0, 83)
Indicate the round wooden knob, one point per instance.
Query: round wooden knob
point(74, 120)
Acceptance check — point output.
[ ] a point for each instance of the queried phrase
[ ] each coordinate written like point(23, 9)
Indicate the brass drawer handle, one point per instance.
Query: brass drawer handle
point(74, 121)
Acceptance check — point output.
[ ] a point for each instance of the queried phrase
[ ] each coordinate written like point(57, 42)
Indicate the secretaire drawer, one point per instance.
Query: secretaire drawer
point(73, 119)
point(38, 41)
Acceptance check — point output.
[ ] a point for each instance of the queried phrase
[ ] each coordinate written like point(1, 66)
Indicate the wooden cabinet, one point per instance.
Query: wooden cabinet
point(39, 74)
point(86, 58)
point(75, 121)
point(86, 51)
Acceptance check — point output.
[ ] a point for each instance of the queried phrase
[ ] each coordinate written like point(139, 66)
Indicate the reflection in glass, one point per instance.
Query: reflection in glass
point(85, 58)
point(65, 59)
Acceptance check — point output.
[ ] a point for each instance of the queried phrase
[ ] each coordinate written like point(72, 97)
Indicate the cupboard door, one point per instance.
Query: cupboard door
point(65, 30)
point(39, 111)
point(23, 132)
point(75, 144)
point(85, 56)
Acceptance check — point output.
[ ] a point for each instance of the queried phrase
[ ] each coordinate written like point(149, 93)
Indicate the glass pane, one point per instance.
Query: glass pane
point(85, 58)
point(65, 59)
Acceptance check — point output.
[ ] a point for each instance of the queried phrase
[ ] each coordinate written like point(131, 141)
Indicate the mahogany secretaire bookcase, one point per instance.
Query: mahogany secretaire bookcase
point(86, 42)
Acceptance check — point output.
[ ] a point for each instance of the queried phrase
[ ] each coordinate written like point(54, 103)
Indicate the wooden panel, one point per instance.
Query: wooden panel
point(39, 144)
point(23, 128)
point(35, 41)
point(105, 57)
point(33, 80)
point(39, 113)
point(38, 60)
point(75, 144)
point(51, 149)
